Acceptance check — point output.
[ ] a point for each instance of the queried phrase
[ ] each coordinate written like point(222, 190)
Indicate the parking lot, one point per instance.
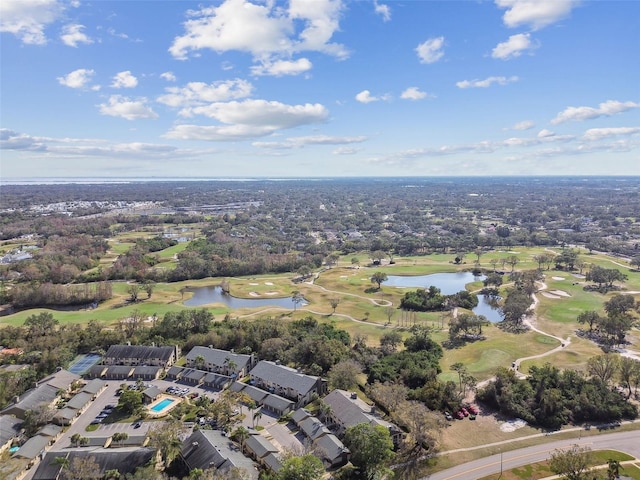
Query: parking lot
point(108, 397)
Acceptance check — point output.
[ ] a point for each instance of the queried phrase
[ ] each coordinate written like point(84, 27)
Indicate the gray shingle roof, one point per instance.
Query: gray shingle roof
point(210, 449)
point(285, 377)
point(219, 358)
point(141, 352)
point(193, 375)
point(94, 386)
point(256, 394)
point(49, 430)
point(216, 380)
point(175, 372)
point(80, 400)
point(119, 371)
point(146, 372)
point(44, 394)
point(273, 462)
point(9, 428)
point(300, 415)
point(124, 460)
point(32, 447)
point(260, 446)
point(331, 446)
point(313, 428)
point(277, 403)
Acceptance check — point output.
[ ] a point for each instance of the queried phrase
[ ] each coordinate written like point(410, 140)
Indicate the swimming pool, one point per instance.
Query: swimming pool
point(160, 406)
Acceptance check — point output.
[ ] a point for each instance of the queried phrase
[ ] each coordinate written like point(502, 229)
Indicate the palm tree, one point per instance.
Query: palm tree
point(75, 439)
point(120, 437)
point(241, 434)
point(257, 416)
point(199, 362)
point(613, 470)
point(62, 462)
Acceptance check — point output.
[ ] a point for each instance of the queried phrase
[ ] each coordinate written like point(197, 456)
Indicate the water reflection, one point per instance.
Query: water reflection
point(214, 294)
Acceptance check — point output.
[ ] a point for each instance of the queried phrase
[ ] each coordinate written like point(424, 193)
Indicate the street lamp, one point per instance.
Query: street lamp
point(500, 464)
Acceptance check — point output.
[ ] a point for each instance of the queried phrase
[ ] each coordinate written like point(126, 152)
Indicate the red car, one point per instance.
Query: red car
point(464, 412)
point(459, 415)
point(473, 409)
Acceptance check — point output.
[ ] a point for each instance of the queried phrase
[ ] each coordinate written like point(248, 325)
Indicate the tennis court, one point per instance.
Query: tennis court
point(84, 363)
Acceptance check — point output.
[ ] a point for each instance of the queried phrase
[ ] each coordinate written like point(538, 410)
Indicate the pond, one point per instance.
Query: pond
point(214, 294)
point(448, 283)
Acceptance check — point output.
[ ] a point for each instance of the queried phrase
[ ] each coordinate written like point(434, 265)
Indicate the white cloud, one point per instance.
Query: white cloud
point(249, 119)
point(346, 151)
point(124, 107)
point(279, 68)
point(299, 142)
point(27, 19)
point(544, 133)
point(430, 51)
point(267, 31)
point(487, 82)
point(11, 140)
point(366, 97)
point(599, 133)
point(513, 47)
point(383, 10)
point(535, 13)
point(413, 93)
point(124, 80)
point(168, 76)
point(78, 79)
point(606, 109)
point(72, 35)
point(200, 93)
point(524, 125)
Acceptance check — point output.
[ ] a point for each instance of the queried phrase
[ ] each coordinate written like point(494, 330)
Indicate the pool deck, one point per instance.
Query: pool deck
point(167, 409)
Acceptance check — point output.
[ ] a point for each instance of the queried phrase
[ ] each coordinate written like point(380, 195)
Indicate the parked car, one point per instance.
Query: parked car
point(448, 416)
point(137, 425)
point(472, 417)
point(473, 409)
point(459, 415)
point(464, 411)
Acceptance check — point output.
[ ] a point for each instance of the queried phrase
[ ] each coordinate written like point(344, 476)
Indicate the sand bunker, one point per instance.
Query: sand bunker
point(268, 283)
point(558, 278)
point(555, 294)
point(254, 294)
point(513, 425)
point(253, 284)
point(271, 293)
point(344, 276)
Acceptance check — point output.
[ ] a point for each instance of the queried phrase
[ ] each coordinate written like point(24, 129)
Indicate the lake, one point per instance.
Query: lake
point(448, 283)
point(214, 294)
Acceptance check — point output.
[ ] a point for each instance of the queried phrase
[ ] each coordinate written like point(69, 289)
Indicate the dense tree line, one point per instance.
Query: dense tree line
point(432, 300)
point(52, 295)
point(550, 398)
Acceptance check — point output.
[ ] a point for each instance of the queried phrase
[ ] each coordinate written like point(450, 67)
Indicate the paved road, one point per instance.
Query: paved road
point(628, 442)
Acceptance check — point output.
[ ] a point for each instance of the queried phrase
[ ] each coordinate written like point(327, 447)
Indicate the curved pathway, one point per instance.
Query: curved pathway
point(528, 321)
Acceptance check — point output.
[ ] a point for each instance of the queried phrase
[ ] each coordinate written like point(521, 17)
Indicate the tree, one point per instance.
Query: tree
point(603, 367)
point(635, 262)
point(389, 312)
point(613, 469)
point(513, 261)
point(130, 401)
point(241, 434)
point(390, 341)
point(516, 306)
point(119, 437)
point(148, 287)
point(461, 370)
point(572, 464)
point(334, 302)
point(297, 299)
point(619, 305)
point(371, 448)
point(257, 415)
point(40, 325)
point(378, 278)
point(85, 468)
point(589, 317)
point(306, 467)
point(75, 439)
point(133, 290)
point(165, 437)
point(344, 374)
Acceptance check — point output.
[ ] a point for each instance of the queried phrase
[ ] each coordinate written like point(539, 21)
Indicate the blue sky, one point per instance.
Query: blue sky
point(240, 88)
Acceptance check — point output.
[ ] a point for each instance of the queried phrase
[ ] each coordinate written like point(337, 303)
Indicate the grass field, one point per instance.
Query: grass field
point(362, 309)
